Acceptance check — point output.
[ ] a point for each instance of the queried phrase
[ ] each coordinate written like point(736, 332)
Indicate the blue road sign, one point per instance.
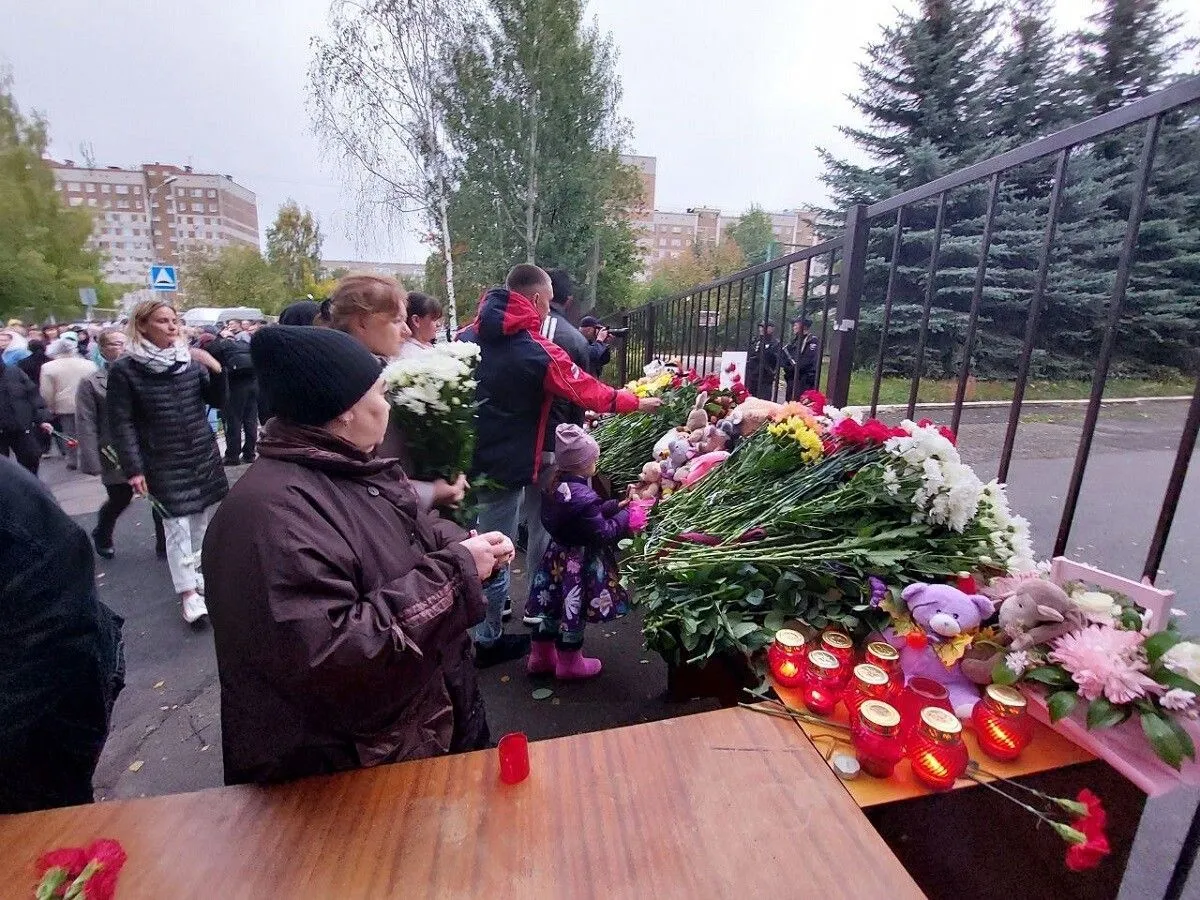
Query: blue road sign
point(162, 278)
point(87, 296)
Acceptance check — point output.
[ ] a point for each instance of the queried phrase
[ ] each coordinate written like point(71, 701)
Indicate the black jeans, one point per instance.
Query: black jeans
point(119, 498)
point(241, 415)
point(24, 445)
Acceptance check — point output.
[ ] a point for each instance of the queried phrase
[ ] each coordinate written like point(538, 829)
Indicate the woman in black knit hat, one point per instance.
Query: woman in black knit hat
point(339, 607)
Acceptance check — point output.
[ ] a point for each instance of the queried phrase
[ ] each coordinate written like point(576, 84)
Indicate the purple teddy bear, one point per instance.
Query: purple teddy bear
point(941, 611)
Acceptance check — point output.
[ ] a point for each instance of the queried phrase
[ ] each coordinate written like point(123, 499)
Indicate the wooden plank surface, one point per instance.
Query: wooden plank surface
point(1048, 750)
point(723, 804)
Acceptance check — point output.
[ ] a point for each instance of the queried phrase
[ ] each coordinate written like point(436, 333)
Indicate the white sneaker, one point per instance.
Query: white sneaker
point(193, 608)
point(200, 584)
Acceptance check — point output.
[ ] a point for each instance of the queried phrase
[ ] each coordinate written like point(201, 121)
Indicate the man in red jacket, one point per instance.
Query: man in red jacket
point(520, 373)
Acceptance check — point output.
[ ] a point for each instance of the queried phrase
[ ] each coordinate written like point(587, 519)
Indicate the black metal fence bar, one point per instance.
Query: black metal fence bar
point(825, 315)
point(1166, 513)
point(985, 244)
point(930, 291)
point(850, 289)
point(1035, 309)
point(1179, 94)
point(889, 294)
point(1116, 307)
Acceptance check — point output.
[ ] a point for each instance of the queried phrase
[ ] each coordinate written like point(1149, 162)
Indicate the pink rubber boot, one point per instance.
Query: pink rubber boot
point(543, 658)
point(573, 665)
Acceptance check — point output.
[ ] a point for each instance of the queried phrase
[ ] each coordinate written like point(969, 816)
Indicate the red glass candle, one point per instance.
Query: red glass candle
point(868, 683)
point(876, 738)
point(839, 644)
point(919, 693)
point(887, 657)
point(822, 682)
point(1002, 725)
point(513, 750)
point(786, 657)
point(936, 749)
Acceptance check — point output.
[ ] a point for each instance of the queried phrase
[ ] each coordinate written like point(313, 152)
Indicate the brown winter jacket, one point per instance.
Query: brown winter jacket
point(340, 615)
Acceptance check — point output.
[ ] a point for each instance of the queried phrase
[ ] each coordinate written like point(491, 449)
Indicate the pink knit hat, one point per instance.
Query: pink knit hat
point(574, 448)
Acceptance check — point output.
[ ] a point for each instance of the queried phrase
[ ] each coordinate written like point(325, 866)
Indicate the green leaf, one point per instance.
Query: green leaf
point(774, 621)
point(1163, 739)
point(1002, 674)
point(1061, 703)
point(1185, 739)
point(1103, 714)
point(1159, 643)
point(742, 629)
point(755, 597)
point(1131, 620)
point(1051, 675)
point(1171, 679)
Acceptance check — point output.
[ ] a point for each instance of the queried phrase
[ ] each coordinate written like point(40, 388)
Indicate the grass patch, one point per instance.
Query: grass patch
point(896, 390)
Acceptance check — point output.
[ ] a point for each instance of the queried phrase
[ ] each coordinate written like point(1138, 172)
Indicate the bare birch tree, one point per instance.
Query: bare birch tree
point(375, 89)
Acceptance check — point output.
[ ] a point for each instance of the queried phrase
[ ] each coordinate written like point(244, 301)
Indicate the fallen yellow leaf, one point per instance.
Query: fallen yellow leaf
point(136, 764)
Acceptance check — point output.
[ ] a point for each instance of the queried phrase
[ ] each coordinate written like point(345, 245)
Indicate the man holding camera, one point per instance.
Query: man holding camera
point(599, 339)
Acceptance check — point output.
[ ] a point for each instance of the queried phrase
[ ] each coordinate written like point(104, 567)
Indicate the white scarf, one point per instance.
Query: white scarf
point(173, 359)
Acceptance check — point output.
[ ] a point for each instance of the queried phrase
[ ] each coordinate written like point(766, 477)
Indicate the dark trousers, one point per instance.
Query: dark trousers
point(240, 414)
point(762, 384)
point(119, 498)
point(24, 445)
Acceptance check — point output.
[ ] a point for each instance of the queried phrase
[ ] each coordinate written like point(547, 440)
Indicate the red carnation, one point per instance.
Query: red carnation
point(876, 432)
point(71, 859)
point(108, 857)
point(925, 423)
point(1088, 855)
point(676, 383)
point(736, 379)
point(732, 367)
point(949, 435)
point(850, 432)
point(814, 399)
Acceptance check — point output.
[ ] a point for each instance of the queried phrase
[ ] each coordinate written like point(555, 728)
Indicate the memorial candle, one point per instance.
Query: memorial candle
point(1002, 725)
point(786, 657)
point(936, 749)
point(868, 683)
point(822, 682)
point(876, 738)
point(839, 644)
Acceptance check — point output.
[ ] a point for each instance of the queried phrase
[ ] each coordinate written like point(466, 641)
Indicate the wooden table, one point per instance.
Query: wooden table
point(970, 842)
point(723, 804)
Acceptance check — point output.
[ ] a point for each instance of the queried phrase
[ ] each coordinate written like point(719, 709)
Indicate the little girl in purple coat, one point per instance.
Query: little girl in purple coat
point(577, 580)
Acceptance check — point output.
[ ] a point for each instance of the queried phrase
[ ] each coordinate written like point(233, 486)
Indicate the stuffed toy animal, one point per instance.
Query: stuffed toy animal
point(1037, 612)
point(698, 467)
point(945, 619)
point(649, 486)
point(697, 419)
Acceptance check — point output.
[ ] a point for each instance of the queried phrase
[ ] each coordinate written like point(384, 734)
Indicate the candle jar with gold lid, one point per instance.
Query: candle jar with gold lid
point(839, 644)
point(1002, 725)
point(936, 749)
point(823, 680)
point(786, 657)
point(876, 737)
point(887, 657)
point(869, 682)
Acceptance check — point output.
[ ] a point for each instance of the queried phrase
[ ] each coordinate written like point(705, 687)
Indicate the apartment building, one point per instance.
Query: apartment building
point(156, 213)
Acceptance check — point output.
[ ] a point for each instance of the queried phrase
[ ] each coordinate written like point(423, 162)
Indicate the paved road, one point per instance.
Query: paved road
point(166, 734)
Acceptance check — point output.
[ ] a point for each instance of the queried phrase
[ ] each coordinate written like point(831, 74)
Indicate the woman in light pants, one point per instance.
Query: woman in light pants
point(158, 395)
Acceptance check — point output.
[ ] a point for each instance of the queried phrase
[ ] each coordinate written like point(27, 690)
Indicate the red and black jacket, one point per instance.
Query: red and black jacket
point(520, 373)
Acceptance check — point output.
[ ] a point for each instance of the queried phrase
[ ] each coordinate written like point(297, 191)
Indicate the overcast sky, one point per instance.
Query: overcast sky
point(731, 97)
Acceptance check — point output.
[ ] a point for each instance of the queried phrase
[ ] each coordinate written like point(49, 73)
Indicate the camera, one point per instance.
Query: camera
point(618, 332)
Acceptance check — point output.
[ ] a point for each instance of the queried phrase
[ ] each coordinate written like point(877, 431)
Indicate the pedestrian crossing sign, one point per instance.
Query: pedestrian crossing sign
point(162, 278)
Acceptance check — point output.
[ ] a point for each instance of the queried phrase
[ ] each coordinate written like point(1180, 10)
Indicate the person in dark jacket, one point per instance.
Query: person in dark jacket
point(558, 328)
point(762, 363)
point(22, 416)
point(520, 373)
point(799, 358)
point(157, 415)
point(339, 608)
point(32, 364)
point(577, 581)
point(61, 664)
point(240, 412)
point(599, 348)
point(300, 313)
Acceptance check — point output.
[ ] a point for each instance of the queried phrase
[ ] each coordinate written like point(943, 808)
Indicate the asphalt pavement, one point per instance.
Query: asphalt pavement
point(166, 730)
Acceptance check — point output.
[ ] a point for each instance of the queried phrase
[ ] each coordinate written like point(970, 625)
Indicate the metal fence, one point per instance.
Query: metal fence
point(828, 283)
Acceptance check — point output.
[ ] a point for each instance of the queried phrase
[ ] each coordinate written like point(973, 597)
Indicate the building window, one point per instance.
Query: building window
point(208, 235)
point(212, 207)
point(212, 193)
point(90, 188)
point(196, 192)
point(197, 207)
point(91, 201)
point(122, 204)
point(676, 242)
point(73, 186)
point(105, 189)
point(676, 230)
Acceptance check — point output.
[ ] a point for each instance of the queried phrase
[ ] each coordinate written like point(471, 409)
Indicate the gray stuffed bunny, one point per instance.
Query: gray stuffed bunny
point(1037, 612)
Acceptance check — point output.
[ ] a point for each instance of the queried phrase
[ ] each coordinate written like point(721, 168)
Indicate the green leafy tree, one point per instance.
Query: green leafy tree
point(754, 232)
point(294, 247)
point(232, 276)
point(531, 114)
point(44, 258)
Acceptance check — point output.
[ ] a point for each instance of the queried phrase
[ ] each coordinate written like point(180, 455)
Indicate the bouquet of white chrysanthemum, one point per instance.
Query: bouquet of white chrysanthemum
point(433, 400)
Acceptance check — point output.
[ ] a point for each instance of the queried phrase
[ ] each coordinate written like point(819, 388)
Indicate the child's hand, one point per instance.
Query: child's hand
point(630, 496)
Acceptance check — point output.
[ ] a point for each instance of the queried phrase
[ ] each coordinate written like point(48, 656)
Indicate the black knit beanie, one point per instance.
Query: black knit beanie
point(311, 375)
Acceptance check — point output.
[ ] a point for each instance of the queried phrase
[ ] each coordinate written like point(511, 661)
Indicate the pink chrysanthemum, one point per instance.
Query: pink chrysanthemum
point(1105, 661)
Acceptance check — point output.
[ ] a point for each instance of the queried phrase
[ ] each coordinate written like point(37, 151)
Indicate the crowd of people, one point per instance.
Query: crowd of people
point(349, 610)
